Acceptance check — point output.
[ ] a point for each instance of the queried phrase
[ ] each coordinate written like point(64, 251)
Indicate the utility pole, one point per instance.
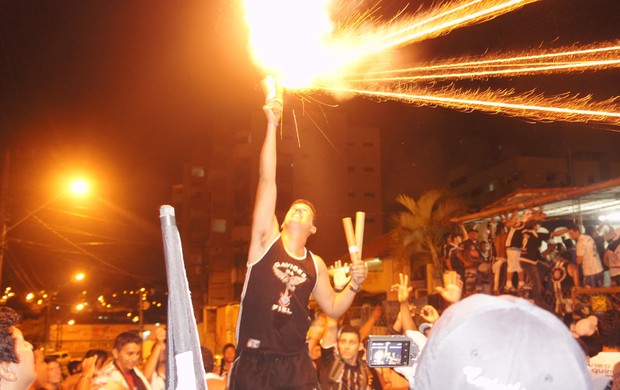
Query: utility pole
point(4, 217)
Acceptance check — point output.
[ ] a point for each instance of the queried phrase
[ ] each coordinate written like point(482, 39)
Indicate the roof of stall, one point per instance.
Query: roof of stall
point(587, 201)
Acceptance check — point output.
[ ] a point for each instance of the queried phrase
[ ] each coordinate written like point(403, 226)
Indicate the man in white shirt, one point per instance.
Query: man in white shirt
point(587, 257)
point(609, 331)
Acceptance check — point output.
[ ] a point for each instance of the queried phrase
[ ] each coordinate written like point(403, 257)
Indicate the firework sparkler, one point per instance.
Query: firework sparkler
point(341, 59)
point(529, 105)
point(562, 61)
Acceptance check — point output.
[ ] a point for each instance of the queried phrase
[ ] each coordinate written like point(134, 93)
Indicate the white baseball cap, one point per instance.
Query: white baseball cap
point(501, 343)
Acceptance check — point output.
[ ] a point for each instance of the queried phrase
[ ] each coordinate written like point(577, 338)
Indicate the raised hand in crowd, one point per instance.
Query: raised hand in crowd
point(375, 316)
point(403, 290)
point(89, 367)
point(150, 366)
point(453, 287)
point(340, 275)
point(429, 313)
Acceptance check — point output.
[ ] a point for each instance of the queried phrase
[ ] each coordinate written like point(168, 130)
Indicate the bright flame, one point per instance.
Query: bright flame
point(296, 41)
point(289, 39)
point(303, 48)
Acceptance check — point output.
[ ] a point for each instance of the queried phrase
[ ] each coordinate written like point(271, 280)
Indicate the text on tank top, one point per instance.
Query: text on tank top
point(274, 314)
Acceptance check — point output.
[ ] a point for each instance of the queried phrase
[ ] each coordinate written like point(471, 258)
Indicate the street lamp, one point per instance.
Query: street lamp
point(52, 299)
point(77, 187)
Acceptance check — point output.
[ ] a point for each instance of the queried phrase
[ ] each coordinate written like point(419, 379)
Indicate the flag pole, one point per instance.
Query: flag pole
point(184, 368)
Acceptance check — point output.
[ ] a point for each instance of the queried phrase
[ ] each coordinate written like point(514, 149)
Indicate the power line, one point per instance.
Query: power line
point(82, 250)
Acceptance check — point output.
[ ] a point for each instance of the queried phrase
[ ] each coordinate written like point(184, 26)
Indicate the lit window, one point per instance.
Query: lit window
point(198, 172)
point(218, 225)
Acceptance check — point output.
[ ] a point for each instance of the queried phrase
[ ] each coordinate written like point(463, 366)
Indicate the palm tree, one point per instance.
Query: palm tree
point(419, 230)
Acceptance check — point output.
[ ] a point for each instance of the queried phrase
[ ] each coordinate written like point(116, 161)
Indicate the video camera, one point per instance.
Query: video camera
point(391, 351)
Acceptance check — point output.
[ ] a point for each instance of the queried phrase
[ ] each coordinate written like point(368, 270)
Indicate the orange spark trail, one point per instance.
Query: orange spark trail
point(508, 72)
point(537, 107)
point(439, 21)
point(594, 51)
point(322, 54)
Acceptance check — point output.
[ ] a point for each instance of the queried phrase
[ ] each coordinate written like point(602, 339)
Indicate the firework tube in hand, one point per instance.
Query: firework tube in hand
point(358, 269)
point(360, 218)
point(354, 250)
point(273, 101)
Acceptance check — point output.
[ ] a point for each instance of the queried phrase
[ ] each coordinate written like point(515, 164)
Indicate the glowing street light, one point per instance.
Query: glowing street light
point(79, 276)
point(79, 187)
point(76, 187)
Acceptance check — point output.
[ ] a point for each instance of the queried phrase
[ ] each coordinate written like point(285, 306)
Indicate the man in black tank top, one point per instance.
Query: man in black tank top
point(282, 273)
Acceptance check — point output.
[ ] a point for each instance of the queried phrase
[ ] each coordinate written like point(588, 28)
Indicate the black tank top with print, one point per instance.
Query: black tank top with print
point(274, 315)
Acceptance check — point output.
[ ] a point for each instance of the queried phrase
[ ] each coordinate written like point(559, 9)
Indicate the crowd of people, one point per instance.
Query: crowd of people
point(24, 368)
point(515, 255)
point(480, 341)
point(482, 338)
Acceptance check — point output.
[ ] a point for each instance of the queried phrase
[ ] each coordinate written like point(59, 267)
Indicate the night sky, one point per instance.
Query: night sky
point(120, 90)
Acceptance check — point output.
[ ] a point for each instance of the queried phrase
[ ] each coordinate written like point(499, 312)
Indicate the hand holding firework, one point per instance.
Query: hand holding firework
point(273, 101)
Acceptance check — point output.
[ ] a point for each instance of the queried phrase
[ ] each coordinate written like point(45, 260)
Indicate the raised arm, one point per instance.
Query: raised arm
point(264, 223)
point(88, 373)
point(463, 231)
point(151, 362)
point(366, 328)
point(559, 232)
point(404, 290)
point(600, 231)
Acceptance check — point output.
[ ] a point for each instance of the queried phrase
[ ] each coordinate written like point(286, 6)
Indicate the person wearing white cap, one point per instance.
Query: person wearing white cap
point(487, 342)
